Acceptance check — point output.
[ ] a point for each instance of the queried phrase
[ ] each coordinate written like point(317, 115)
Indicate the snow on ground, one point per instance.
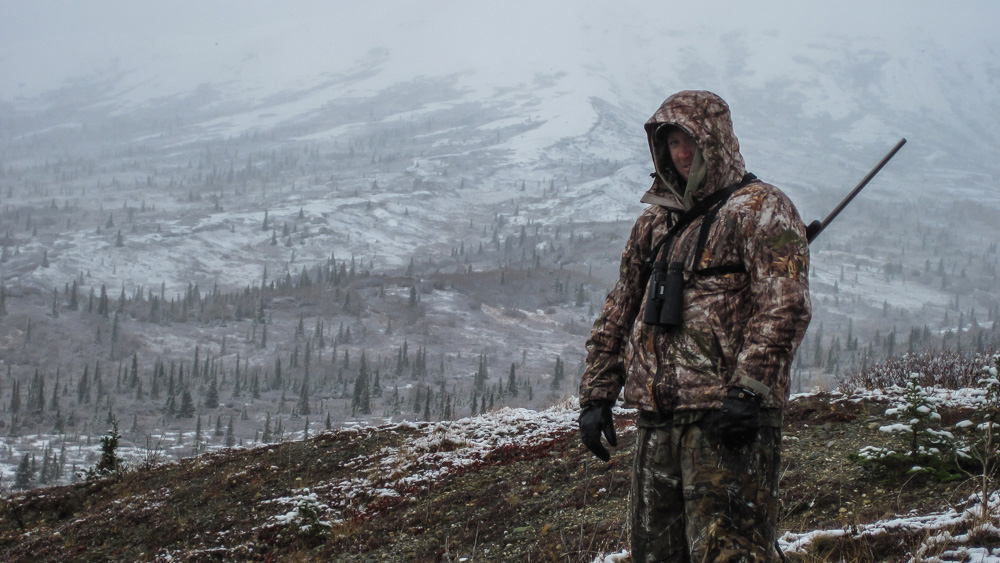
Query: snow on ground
point(435, 452)
point(965, 398)
point(934, 526)
point(438, 450)
point(870, 284)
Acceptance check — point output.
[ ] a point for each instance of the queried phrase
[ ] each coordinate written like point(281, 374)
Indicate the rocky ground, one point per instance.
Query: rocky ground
point(547, 500)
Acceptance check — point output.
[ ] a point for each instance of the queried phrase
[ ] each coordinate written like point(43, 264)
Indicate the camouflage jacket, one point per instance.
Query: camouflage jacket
point(743, 318)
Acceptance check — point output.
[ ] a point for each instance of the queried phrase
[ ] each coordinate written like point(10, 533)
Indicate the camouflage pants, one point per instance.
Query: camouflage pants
point(694, 501)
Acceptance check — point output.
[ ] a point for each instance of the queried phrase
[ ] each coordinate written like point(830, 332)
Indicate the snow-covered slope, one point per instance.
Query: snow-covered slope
point(401, 130)
point(818, 91)
point(803, 79)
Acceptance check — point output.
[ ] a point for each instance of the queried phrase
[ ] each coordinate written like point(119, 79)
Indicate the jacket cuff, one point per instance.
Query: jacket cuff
point(756, 386)
point(599, 394)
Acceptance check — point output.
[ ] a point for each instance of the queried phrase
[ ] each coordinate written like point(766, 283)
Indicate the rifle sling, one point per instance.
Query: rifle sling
point(709, 207)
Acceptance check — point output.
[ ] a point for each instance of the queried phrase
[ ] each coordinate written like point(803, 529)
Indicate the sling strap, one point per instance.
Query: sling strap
point(709, 207)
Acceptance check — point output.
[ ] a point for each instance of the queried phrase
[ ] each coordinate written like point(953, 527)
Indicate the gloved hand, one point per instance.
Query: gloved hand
point(595, 419)
point(740, 418)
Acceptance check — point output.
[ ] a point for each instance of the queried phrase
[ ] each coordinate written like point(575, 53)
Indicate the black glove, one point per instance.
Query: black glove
point(740, 418)
point(595, 418)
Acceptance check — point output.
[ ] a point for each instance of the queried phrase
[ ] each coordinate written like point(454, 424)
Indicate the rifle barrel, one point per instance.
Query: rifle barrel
point(817, 227)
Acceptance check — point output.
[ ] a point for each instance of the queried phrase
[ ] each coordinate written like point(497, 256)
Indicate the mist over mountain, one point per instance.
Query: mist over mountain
point(818, 92)
point(472, 170)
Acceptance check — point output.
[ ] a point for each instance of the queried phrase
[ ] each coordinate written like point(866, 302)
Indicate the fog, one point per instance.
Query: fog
point(874, 70)
point(256, 48)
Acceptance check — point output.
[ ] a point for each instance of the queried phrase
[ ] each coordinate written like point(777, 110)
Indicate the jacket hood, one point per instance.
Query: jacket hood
point(706, 118)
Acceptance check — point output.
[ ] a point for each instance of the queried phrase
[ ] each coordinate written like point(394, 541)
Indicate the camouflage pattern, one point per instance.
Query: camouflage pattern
point(739, 328)
point(693, 500)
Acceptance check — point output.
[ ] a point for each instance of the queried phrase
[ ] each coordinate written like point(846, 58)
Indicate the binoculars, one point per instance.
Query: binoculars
point(665, 299)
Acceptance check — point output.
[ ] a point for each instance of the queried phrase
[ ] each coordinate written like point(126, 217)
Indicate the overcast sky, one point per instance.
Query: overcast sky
point(174, 46)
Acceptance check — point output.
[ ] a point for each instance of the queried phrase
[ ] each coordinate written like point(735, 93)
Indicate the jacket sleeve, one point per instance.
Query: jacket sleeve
point(776, 256)
point(604, 375)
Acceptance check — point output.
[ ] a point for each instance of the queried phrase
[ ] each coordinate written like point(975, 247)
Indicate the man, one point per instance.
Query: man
point(700, 330)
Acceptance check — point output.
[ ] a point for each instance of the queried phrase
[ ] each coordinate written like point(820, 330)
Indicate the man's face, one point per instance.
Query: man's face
point(682, 149)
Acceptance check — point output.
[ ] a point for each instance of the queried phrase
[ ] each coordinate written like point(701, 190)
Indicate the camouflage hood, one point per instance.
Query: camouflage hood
point(706, 118)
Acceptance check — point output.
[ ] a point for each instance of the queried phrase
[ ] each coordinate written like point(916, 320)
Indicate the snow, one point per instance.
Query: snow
point(935, 527)
point(438, 450)
point(306, 505)
point(619, 557)
point(556, 66)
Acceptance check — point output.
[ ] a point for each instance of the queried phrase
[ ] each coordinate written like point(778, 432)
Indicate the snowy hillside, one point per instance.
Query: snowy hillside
point(259, 195)
point(493, 96)
point(415, 492)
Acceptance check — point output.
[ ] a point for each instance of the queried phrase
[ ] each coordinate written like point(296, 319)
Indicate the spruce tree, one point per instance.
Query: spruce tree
point(230, 439)
point(512, 382)
point(109, 463)
point(43, 475)
point(186, 409)
point(303, 405)
point(54, 402)
point(102, 303)
point(212, 398)
point(266, 437)
point(23, 476)
point(15, 397)
point(361, 401)
point(196, 447)
point(376, 384)
point(559, 373)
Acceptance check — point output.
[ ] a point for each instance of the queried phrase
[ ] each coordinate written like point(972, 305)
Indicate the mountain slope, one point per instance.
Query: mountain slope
point(472, 170)
point(512, 485)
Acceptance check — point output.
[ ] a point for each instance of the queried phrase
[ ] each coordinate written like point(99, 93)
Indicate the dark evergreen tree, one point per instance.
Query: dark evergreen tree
point(36, 393)
point(376, 384)
point(212, 397)
point(186, 409)
point(361, 401)
point(265, 436)
point(230, 439)
point(102, 303)
point(43, 475)
point(109, 462)
point(23, 476)
point(303, 405)
point(54, 401)
point(15, 398)
point(133, 375)
point(481, 375)
point(559, 373)
point(196, 446)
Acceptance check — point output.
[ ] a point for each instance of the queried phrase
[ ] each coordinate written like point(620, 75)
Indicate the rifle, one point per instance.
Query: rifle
point(816, 227)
